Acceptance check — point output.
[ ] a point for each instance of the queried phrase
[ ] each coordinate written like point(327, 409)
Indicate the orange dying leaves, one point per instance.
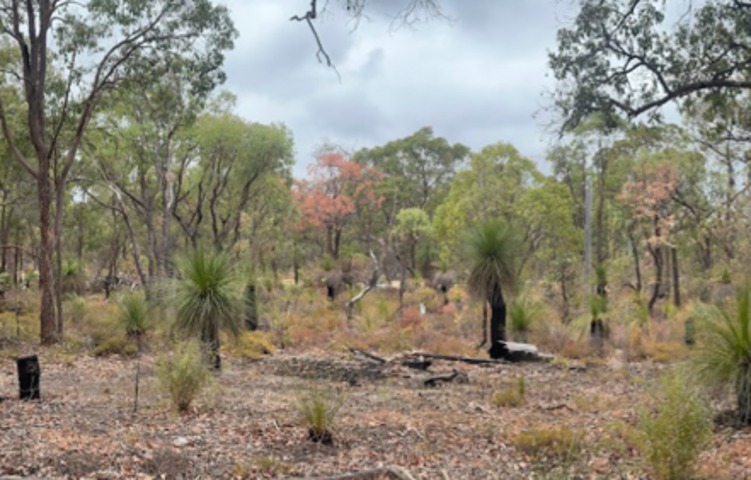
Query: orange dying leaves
point(338, 189)
point(647, 196)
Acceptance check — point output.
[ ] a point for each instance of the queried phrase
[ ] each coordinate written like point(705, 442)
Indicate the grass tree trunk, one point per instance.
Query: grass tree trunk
point(211, 346)
point(497, 323)
point(743, 393)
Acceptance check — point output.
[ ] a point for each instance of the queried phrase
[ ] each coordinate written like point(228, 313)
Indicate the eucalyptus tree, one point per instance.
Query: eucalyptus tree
point(227, 174)
point(631, 57)
point(492, 187)
point(71, 55)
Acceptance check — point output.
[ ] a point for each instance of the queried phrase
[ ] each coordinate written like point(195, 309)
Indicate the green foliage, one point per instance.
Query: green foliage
point(208, 295)
point(183, 375)
point(114, 345)
point(674, 431)
point(722, 357)
point(78, 308)
point(482, 193)
point(493, 252)
point(598, 305)
point(522, 314)
point(319, 410)
point(133, 314)
point(412, 223)
point(594, 58)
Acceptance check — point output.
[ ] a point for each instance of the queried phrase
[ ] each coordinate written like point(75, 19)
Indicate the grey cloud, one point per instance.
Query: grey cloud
point(477, 80)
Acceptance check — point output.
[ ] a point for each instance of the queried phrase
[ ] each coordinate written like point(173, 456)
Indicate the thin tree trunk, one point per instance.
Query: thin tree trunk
point(59, 206)
point(658, 261)
point(635, 256)
point(48, 327)
point(676, 278)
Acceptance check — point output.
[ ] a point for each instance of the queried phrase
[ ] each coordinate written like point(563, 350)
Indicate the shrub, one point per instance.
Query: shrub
point(671, 435)
point(114, 345)
point(183, 375)
point(521, 315)
point(722, 357)
point(253, 345)
point(133, 314)
point(511, 396)
point(558, 444)
point(319, 409)
point(208, 297)
point(78, 309)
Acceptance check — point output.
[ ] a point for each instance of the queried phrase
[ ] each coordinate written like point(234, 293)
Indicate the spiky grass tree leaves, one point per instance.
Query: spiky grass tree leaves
point(722, 358)
point(493, 251)
point(133, 314)
point(208, 298)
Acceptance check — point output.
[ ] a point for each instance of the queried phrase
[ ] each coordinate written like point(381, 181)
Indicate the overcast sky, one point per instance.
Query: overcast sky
point(477, 79)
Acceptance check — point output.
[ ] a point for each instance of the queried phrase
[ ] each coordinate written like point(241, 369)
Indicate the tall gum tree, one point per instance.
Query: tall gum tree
point(630, 57)
point(72, 54)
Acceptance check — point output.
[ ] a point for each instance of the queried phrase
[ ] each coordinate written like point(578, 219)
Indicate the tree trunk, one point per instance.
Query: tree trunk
point(658, 261)
point(251, 308)
point(635, 256)
point(743, 393)
point(497, 323)
point(211, 347)
point(59, 206)
point(48, 326)
point(566, 310)
point(676, 278)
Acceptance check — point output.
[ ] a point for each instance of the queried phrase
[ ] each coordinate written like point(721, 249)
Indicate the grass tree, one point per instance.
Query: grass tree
point(133, 314)
point(493, 251)
point(722, 357)
point(208, 298)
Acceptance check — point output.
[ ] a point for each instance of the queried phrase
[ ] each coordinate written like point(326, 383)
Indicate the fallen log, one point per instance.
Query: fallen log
point(455, 376)
point(417, 364)
point(459, 358)
point(357, 351)
point(522, 352)
point(387, 473)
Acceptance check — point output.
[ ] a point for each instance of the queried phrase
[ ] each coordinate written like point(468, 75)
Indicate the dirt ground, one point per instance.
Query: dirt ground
point(249, 427)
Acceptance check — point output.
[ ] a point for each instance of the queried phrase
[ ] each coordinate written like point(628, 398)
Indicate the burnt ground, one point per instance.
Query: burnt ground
point(250, 427)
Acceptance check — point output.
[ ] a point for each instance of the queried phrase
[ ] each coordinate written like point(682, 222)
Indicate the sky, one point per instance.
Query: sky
point(478, 78)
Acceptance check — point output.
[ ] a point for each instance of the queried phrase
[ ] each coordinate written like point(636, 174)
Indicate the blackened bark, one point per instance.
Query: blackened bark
point(251, 308)
point(497, 323)
point(28, 378)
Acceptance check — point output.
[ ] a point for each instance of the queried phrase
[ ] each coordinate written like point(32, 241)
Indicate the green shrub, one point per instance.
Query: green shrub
point(722, 357)
point(522, 314)
point(208, 298)
point(133, 314)
point(183, 375)
point(557, 444)
point(116, 344)
point(674, 431)
point(319, 409)
point(78, 309)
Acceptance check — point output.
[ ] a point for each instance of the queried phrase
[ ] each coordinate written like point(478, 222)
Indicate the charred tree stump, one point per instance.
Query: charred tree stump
point(598, 333)
point(330, 291)
point(251, 308)
point(28, 378)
